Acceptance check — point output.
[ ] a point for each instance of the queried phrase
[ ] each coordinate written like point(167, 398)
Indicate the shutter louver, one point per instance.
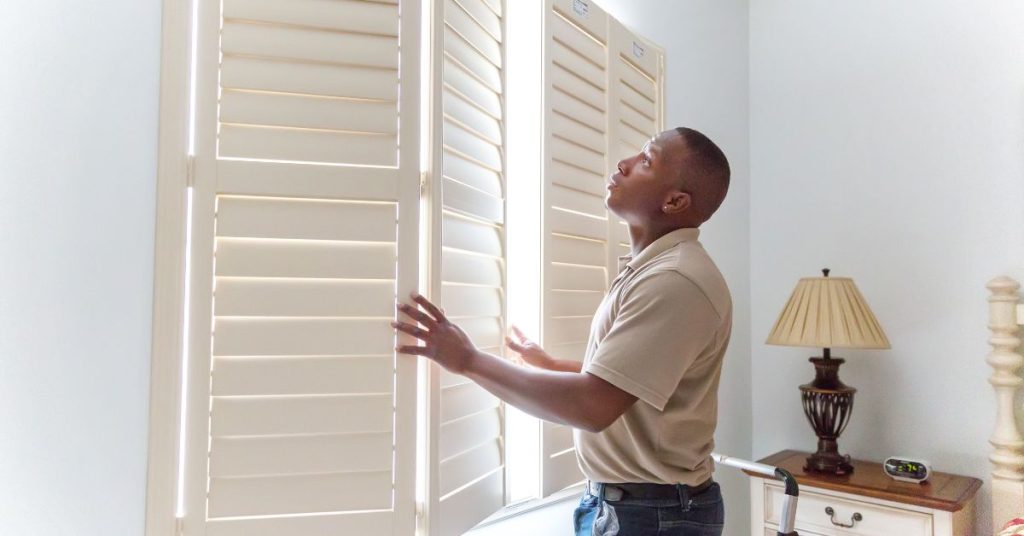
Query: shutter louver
point(301, 419)
point(466, 465)
point(575, 227)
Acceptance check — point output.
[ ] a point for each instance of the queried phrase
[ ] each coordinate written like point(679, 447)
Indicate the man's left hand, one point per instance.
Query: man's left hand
point(444, 342)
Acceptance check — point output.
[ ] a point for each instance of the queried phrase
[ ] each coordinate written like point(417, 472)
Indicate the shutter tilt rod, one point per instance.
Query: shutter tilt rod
point(788, 521)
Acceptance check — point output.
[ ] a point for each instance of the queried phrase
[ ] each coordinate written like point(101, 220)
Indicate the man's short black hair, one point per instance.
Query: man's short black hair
point(704, 172)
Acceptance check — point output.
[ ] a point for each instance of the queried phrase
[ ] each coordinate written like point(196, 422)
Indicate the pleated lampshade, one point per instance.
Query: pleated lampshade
point(827, 312)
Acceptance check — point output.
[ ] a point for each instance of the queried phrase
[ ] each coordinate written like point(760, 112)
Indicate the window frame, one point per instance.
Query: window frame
point(173, 177)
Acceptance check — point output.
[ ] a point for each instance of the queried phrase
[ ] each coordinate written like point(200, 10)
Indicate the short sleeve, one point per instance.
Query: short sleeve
point(664, 323)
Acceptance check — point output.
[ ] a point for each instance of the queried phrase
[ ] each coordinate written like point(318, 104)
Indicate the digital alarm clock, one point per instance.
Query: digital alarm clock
point(906, 469)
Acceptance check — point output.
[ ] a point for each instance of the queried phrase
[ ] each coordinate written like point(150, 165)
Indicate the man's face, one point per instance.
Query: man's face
point(643, 182)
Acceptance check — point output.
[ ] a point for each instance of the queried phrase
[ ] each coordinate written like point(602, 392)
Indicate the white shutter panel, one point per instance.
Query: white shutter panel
point(575, 226)
point(467, 279)
point(300, 418)
point(636, 74)
point(603, 101)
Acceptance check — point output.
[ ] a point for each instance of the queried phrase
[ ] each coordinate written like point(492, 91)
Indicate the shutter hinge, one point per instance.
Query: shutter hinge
point(421, 521)
point(423, 183)
point(190, 171)
point(179, 526)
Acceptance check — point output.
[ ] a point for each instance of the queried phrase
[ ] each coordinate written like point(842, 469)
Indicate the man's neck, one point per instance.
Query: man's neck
point(641, 237)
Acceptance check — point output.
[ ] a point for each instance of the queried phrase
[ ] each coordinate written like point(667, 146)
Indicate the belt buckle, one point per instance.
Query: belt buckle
point(611, 492)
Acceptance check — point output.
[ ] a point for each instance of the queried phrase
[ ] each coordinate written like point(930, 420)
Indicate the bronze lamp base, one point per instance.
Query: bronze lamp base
point(827, 405)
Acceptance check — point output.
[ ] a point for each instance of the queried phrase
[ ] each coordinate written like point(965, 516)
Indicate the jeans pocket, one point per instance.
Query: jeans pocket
point(671, 526)
point(708, 507)
point(704, 517)
point(687, 528)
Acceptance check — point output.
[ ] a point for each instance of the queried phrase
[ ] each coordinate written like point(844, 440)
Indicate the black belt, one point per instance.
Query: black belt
point(655, 491)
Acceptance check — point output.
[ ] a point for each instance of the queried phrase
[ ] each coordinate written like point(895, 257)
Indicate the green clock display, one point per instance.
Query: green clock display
point(906, 469)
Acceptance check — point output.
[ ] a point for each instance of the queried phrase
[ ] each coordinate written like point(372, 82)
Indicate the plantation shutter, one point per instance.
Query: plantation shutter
point(636, 74)
point(466, 462)
point(305, 227)
point(603, 101)
point(575, 226)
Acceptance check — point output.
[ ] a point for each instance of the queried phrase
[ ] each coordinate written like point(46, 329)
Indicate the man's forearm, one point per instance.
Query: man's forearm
point(560, 396)
point(553, 395)
point(564, 365)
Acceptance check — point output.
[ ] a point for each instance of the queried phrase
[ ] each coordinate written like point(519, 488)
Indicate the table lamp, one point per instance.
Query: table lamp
point(827, 312)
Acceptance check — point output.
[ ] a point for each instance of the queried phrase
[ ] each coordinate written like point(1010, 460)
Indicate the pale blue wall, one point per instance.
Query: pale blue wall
point(887, 145)
point(78, 130)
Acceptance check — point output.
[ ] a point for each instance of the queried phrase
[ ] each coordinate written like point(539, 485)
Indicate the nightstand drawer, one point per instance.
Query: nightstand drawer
point(876, 520)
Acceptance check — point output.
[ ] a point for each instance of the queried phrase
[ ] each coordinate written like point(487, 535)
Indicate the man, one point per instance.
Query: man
point(659, 337)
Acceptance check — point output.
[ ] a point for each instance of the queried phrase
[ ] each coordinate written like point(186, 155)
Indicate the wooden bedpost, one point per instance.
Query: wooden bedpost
point(1008, 457)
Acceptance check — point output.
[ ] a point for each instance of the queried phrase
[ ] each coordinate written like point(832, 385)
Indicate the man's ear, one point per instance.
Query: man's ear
point(677, 202)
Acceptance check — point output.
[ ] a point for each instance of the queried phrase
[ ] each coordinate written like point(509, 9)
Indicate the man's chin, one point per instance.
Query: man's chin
point(608, 204)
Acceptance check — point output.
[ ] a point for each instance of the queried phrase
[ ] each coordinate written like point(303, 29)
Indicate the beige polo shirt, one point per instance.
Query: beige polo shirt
point(659, 334)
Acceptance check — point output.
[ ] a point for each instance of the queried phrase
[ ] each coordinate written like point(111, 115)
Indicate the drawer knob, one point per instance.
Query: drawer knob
point(832, 517)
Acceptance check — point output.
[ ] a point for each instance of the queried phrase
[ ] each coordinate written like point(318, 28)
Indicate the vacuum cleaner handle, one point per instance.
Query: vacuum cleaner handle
point(788, 521)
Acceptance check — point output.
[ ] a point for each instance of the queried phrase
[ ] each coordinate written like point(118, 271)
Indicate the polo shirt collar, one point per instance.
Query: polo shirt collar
point(659, 246)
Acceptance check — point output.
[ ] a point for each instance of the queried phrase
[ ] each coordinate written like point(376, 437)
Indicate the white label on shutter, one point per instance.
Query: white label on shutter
point(581, 8)
point(638, 50)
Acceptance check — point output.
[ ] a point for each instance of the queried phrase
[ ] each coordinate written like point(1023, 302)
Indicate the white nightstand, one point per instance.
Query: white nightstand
point(867, 501)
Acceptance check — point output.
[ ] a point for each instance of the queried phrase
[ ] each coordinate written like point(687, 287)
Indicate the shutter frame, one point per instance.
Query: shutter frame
point(169, 276)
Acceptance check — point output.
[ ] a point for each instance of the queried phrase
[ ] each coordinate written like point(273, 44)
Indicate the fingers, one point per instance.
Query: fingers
point(523, 339)
point(431, 308)
point(411, 330)
point(413, 350)
point(514, 346)
point(516, 356)
point(417, 315)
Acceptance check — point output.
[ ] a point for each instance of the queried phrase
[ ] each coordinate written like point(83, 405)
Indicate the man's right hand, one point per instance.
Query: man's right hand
point(529, 351)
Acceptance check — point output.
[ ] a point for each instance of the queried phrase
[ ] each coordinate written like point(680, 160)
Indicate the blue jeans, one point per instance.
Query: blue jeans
point(699, 515)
